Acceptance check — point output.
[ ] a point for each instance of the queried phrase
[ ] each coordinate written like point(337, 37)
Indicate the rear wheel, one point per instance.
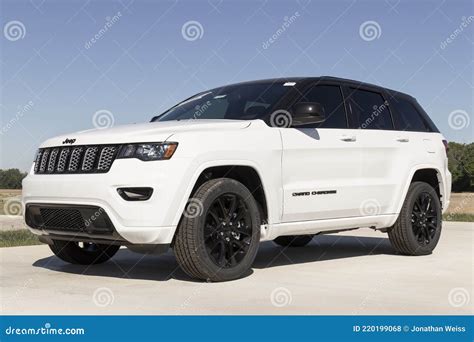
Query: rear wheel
point(219, 241)
point(293, 240)
point(418, 227)
point(83, 253)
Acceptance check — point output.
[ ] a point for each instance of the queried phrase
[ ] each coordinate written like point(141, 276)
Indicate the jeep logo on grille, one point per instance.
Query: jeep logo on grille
point(69, 141)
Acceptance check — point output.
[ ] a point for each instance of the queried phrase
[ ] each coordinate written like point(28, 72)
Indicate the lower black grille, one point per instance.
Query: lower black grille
point(77, 159)
point(73, 218)
point(67, 219)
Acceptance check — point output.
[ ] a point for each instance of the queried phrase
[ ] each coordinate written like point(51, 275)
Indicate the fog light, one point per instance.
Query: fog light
point(135, 194)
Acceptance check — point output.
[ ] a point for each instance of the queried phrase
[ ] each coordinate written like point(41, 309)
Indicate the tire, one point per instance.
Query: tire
point(293, 240)
point(415, 233)
point(207, 245)
point(83, 253)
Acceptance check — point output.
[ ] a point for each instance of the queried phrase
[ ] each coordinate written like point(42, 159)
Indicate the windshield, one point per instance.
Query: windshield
point(235, 102)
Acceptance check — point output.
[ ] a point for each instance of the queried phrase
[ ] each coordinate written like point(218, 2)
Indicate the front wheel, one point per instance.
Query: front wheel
point(219, 233)
point(83, 253)
point(418, 227)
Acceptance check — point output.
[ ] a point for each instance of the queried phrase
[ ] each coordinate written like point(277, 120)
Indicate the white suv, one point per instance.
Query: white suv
point(279, 159)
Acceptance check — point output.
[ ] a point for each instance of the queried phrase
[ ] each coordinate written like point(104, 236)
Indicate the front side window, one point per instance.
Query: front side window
point(370, 110)
point(331, 100)
point(409, 118)
point(235, 102)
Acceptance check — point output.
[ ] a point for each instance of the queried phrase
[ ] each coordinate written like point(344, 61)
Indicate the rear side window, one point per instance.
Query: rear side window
point(331, 100)
point(409, 119)
point(370, 110)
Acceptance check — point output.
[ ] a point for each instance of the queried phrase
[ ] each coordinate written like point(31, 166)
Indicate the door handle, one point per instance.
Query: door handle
point(400, 139)
point(348, 138)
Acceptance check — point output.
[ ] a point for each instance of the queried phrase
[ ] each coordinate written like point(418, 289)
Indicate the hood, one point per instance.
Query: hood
point(144, 132)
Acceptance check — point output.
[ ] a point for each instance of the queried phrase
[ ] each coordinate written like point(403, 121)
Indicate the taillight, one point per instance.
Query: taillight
point(446, 146)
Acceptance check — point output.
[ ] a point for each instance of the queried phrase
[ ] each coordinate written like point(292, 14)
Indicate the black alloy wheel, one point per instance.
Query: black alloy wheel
point(219, 241)
point(424, 218)
point(418, 226)
point(227, 230)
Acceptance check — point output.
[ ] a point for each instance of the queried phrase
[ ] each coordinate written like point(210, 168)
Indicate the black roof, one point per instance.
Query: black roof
point(328, 78)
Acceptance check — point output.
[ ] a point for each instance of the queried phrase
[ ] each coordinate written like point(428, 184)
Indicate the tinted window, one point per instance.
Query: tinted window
point(370, 110)
point(331, 100)
point(237, 102)
point(409, 118)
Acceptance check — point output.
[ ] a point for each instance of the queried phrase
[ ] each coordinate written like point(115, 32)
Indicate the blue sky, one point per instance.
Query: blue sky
point(53, 82)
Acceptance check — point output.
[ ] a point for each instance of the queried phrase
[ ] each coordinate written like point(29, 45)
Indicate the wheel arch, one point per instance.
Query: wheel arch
point(245, 172)
point(429, 174)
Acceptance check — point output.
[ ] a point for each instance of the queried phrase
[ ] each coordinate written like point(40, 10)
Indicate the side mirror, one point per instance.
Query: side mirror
point(308, 113)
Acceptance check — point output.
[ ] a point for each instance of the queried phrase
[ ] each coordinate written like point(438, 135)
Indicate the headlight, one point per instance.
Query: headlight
point(148, 151)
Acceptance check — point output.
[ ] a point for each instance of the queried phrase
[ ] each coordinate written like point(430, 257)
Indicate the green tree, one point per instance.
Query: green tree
point(461, 165)
point(11, 178)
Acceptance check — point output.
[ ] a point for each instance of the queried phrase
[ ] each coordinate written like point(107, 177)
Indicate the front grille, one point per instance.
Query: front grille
point(89, 158)
point(65, 219)
point(69, 218)
point(78, 159)
point(107, 156)
point(52, 160)
point(44, 160)
point(63, 157)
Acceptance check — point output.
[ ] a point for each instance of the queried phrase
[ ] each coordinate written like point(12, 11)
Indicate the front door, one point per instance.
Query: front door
point(321, 165)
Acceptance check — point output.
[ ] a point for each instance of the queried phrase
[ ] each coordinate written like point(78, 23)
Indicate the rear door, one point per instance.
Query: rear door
point(382, 150)
point(321, 165)
point(422, 139)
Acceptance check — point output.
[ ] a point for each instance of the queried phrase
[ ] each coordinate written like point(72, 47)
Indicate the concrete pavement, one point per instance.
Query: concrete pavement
point(356, 272)
point(8, 222)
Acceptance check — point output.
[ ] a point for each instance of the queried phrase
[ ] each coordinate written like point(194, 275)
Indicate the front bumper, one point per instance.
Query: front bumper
point(136, 222)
